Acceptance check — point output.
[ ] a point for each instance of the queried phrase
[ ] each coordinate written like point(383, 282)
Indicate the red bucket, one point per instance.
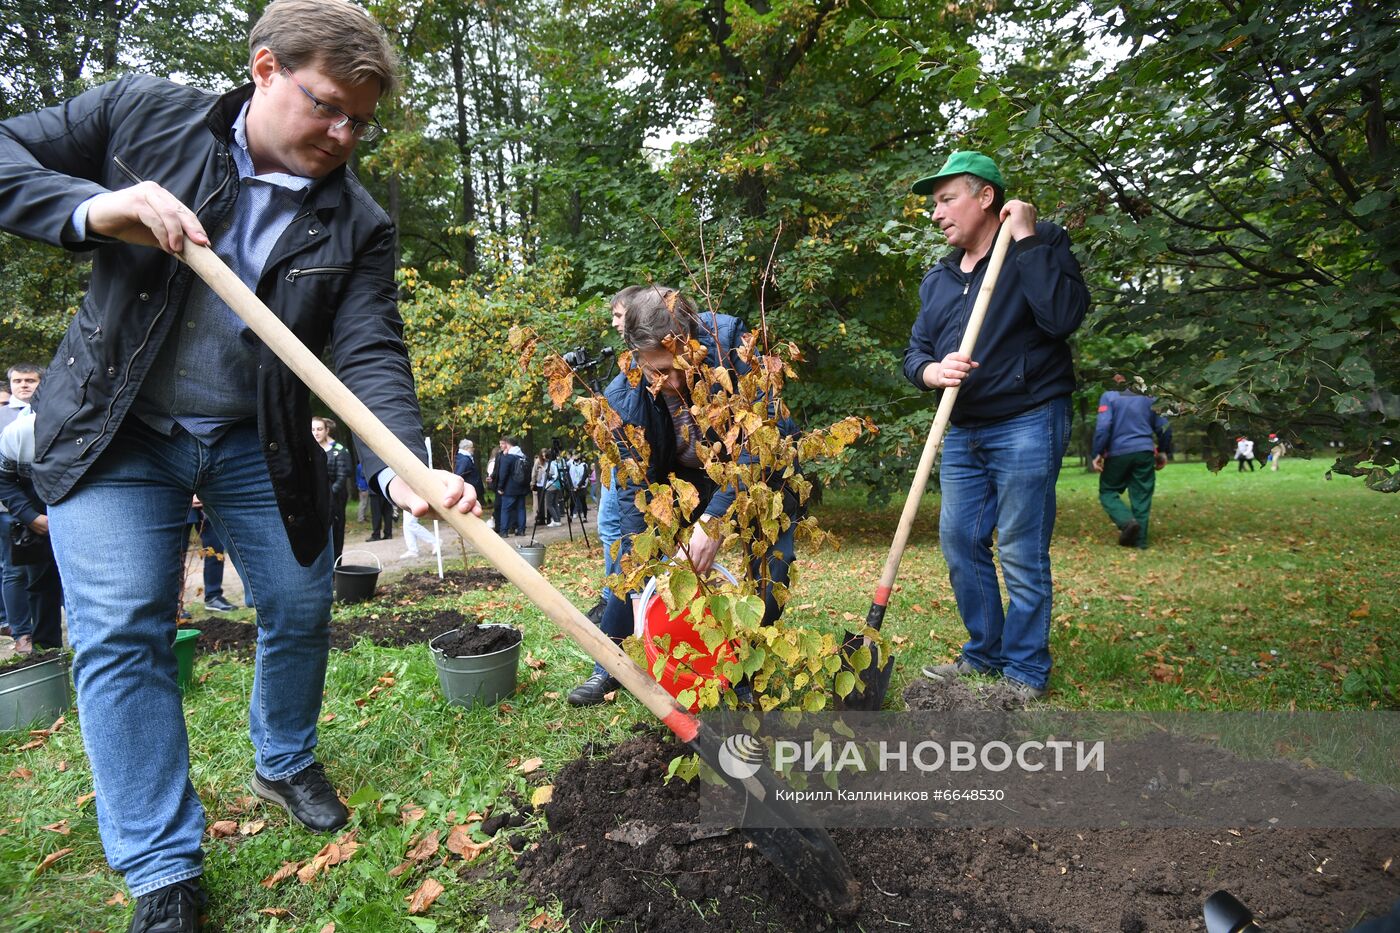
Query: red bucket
point(697, 669)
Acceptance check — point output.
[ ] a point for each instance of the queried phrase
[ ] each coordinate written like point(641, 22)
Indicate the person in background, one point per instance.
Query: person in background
point(1278, 449)
point(465, 467)
point(1010, 427)
point(512, 486)
point(34, 594)
point(1131, 443)
point(214, 556)
point(21, 382)
point(159, 392)
point(578, 486)
point(1244, 453)
point(337, 473)
point(362, 508)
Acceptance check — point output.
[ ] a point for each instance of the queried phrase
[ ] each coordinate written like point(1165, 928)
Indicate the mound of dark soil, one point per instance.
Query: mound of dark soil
point(473, 639)
point(392, 629)
point(622, 847)
point(421, 584)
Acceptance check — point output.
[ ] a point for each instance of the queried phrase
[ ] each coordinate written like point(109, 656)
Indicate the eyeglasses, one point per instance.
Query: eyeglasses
point(359, 129)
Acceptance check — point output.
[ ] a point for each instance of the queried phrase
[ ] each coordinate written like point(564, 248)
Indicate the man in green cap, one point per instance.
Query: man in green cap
point(1009, 430)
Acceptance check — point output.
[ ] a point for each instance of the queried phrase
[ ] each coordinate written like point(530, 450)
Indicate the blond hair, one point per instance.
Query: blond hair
point(338, 37)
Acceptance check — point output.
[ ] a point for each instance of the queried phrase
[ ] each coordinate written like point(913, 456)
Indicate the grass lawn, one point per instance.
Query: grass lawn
point(1261, 591)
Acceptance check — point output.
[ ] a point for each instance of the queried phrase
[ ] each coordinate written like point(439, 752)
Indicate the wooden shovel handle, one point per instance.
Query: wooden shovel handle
point(940, 420)
point(421, 480)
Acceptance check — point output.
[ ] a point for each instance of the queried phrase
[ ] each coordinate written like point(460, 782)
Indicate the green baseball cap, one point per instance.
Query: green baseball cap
point(964, 162)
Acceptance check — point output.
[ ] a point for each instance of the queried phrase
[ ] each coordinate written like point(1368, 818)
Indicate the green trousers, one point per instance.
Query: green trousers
point(1134, 473)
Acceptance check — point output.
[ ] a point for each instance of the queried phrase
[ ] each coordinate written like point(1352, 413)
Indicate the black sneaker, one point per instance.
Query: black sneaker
point(1128, 537)
point(219, 604)
point(592, 691)
point(175, 908)
point(307, 796)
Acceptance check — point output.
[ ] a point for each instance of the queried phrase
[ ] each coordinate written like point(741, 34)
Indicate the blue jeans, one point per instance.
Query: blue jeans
point(118, 539)
point(1002, 477)
point(617, 615)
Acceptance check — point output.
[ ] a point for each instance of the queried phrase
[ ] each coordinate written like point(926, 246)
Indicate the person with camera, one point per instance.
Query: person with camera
point(655, 318)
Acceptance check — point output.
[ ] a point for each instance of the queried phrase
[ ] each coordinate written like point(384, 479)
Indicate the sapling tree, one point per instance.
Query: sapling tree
point(738, 409)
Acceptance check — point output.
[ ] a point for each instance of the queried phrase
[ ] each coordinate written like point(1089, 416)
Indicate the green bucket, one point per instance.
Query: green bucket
point(34, 695)
point(479, 678)
point(185, 639)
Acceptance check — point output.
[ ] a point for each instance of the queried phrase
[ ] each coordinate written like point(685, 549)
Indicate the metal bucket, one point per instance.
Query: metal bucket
point(355, 583)
point(533, 554)
point(35, 695)
point(479, 678)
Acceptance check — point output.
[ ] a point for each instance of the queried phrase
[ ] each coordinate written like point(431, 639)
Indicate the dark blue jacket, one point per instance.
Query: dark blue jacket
point(1040, 299)
point(1128, 425)
point(722, 337)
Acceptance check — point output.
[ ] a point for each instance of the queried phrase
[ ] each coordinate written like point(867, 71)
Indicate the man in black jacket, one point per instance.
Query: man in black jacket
point(512, 480)
point(158, 392)
point(1008, 433)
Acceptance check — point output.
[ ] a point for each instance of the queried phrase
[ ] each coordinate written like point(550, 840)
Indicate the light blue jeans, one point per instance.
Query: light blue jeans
point(118, 539)
point(1002, 477)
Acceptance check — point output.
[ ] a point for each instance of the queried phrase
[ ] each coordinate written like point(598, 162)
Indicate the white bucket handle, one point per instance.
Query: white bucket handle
point(639, 606)
point(343, 554)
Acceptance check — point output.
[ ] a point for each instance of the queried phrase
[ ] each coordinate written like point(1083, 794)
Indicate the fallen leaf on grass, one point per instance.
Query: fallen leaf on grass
point(20, 774)
point(61, 767)
point(30, 746)
point(542, 795)
point(241, 805)
point(280, 875)
point(544, 921)
point(50, 859)
point(278, 912)
point(331, 854)
point(223, 828)
point(45, 733)
point(459, 840)
point(422, 850)
point(610, 696)
point(1361, 611)
point(61, 827)
point(533, 662)
point(328, 717)
point(530, 765)
point(90, 795)
point(410, 813)
point(116, 900)
point(251, 827)
point(551, 695)
point(328, 928)
point(419, 901)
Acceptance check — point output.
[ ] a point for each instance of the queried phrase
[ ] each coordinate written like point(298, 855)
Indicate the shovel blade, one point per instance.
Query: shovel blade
point(801, 851)
point(869, 696)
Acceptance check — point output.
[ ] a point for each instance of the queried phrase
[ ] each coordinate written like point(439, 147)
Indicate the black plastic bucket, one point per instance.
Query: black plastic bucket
point(355, 583)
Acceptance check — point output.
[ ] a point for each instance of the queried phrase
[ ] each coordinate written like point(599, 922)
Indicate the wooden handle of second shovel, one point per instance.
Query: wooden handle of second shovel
point(421, 480)
point(940, 424)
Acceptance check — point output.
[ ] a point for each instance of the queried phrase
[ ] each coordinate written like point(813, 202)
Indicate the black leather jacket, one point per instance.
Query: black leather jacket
point(330, 278)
